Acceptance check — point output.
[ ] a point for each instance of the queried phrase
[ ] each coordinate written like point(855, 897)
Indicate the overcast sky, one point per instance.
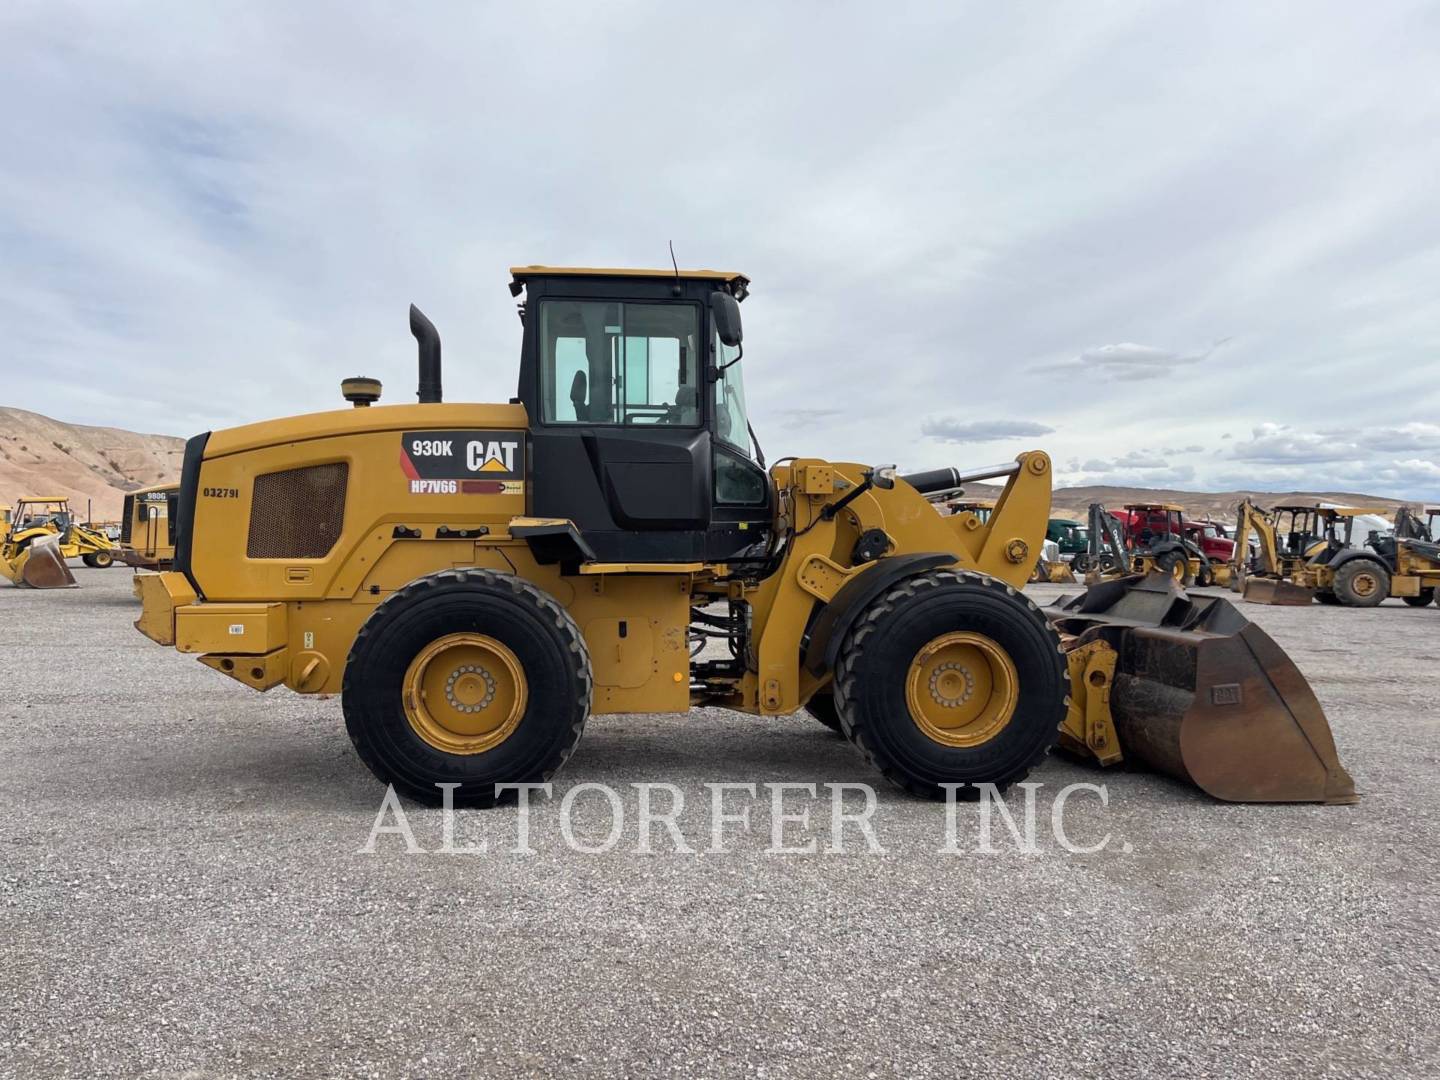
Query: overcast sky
point(1192, 245)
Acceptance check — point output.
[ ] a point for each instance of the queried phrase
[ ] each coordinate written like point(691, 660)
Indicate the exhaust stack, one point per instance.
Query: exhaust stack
point(427, 339)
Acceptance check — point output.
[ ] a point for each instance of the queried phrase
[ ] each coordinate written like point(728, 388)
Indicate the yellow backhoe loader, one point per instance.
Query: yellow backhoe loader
point(43, 534)
point(1321, 560)
point(1413, 524)
point(1267, 577)
point(147, 537)
point(476, 580)
point(1147, 538)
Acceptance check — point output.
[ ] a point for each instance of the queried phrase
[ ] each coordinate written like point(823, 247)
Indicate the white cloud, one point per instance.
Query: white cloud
point(967, 431)
point(211, 215)
point(1272, 443)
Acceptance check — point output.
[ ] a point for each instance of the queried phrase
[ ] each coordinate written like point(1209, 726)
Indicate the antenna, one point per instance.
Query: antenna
point(676, 266)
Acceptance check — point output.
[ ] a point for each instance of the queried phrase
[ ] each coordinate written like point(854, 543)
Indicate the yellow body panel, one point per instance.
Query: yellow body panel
point(377, 418)
point(234, 629)
point(160, 595)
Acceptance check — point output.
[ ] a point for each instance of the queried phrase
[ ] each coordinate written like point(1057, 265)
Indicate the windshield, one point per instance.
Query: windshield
point(732, 424)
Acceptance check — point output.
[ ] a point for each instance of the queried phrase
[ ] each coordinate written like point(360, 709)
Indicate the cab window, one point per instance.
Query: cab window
point(607, 362)
point(732, 423)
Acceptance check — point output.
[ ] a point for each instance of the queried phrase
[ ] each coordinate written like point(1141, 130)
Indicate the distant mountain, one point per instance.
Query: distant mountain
point(41, 456)
point(92, 466)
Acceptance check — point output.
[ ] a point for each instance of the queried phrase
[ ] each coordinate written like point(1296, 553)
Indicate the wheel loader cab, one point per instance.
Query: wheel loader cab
point(638, 430)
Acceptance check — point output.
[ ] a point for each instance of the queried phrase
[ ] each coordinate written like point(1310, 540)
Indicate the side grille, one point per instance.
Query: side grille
point(298, 513)
point(127, 519)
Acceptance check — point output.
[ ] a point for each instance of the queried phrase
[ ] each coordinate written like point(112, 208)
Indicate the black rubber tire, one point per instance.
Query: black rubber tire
point(1329, 599)
point(876, 655)
point(821, 706)
point(1206, 577)
point(1345, 583)
point(98, 560)
point(1080, 563)
point(1426, 595)
point(544, 638)
point(1166, 562)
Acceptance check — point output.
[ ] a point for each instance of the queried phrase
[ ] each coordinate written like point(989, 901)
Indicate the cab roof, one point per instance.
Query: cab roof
point(28, 499)
point(740, 284)
point(1155, 506)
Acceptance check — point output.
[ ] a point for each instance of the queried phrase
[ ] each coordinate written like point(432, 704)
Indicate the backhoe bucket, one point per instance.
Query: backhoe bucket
point(1276, 591)
point(42, 566)
point(1206, 696)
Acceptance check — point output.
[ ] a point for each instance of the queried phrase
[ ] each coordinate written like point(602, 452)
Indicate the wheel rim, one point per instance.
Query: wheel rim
point(962, 689)
point(1178, 570)
point(465, 693)
point(1364, 584)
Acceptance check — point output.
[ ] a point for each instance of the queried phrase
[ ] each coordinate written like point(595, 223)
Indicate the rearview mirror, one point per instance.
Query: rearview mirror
point(725, 311)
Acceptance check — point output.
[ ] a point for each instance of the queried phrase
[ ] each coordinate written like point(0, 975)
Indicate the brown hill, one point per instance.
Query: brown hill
point(89, 465)
point(41, 456)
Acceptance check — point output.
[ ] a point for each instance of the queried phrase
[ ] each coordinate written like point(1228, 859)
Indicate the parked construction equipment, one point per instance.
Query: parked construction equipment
point(1217, 548)
point(1070, 537)
point(1321, 559)
point(41, 535)
point(980, 509)
point(1050, 567)
point(476, 580)
point(147, 535)
point(1267, 578)
point(1413, 566)
point(1150, 538)
point(1411, 525)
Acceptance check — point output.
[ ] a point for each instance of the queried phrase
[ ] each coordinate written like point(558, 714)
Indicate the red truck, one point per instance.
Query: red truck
point(1212, 539)
point(1209, 536)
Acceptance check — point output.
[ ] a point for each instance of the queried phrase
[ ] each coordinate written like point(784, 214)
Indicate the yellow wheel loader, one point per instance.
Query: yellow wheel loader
point(475, 581)
point(979, 509)
point(147, 532)
point(41, 536)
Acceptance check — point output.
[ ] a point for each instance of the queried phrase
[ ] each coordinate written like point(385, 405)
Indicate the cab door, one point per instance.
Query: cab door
point(618, 441)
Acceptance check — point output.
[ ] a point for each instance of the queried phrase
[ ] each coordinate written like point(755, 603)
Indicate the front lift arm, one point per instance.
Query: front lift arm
point(824, 551)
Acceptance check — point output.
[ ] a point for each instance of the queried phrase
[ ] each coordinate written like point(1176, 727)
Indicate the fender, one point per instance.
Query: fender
point(822, 648)
point(1351, 554)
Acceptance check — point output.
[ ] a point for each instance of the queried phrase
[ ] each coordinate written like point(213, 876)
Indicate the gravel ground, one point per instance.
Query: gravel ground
point(182, 893)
